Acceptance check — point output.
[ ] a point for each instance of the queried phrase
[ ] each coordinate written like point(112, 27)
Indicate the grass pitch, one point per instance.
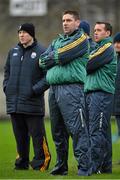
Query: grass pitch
point(8, 154)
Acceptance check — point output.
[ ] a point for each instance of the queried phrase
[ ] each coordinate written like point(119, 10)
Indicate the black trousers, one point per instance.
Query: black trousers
point(25, 126)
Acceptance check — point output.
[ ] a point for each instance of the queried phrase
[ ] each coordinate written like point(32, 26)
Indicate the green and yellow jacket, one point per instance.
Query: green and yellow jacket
point(101, 68)
point(66, 59)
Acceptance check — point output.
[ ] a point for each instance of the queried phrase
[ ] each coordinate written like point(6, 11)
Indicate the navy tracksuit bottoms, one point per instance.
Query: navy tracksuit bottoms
point(67, 113)
point(99, 107)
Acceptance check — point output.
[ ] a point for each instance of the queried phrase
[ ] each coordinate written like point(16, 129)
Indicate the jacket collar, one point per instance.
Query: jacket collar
point(64, 36)
point(29, 47)
point(105, 40)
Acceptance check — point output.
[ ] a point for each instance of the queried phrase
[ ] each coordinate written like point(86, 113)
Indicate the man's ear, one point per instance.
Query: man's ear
point(108, 33)
point(78, 23)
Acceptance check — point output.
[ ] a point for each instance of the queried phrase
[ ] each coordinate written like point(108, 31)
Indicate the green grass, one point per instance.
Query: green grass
point(8, 154)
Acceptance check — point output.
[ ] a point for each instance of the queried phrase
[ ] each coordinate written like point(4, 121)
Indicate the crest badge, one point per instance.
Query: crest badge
point(33, 55)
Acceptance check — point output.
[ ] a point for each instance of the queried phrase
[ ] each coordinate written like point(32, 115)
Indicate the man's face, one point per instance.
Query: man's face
point(69, 23)
point(24, 37)
point(100, 32)
point(117, 46)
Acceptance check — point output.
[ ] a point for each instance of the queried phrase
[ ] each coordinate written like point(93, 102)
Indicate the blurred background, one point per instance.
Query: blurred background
point(46, 16)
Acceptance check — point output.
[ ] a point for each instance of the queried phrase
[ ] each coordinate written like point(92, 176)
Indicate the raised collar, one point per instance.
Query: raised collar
point(29, 47)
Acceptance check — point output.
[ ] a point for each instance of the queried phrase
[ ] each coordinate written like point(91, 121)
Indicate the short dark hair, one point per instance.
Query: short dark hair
point(74, 13)
point(108, 26)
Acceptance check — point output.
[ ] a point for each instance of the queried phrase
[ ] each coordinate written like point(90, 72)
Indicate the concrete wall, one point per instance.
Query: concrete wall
point(3, 102)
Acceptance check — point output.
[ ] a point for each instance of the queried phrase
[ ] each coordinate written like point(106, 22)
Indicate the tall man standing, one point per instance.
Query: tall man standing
point(66, 60)
point(24, 85)
point(100, 87)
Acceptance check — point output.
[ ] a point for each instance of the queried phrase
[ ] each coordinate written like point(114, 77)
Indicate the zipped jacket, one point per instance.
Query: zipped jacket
point(117, 88)
point(66, 59)
point(24, 81)
point(101, 68)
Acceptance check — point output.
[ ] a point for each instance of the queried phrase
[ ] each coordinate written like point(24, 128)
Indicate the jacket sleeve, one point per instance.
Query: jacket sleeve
point(102, 56)
point(46, 60)
point(41, 86)
point(6, 72)
point(75, 49)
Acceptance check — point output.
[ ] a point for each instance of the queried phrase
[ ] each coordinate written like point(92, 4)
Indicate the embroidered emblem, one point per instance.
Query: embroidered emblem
point(33, 55)
point(15, 54)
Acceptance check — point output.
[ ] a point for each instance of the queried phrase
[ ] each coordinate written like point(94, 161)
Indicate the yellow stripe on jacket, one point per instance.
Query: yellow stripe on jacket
point(100, 51)
point(72, 45)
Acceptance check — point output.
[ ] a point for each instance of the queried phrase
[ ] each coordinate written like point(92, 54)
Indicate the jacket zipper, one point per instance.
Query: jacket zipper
point(101, 121)
point(81, 115)
point(18, 81)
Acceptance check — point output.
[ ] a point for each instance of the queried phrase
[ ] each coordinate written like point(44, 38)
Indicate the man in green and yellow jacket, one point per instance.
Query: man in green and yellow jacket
point(100, 87)
point(65, 61)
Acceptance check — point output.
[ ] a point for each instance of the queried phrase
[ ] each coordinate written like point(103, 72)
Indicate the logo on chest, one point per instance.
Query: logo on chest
point(15, 54)
point(33, 55)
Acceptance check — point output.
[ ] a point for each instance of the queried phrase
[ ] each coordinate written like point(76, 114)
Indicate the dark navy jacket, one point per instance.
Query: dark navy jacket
point(24, 82)
point(117, 89)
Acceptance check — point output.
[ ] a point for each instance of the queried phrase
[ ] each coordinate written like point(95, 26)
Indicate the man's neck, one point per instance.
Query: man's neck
point(72, 33)
point(28, 44)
